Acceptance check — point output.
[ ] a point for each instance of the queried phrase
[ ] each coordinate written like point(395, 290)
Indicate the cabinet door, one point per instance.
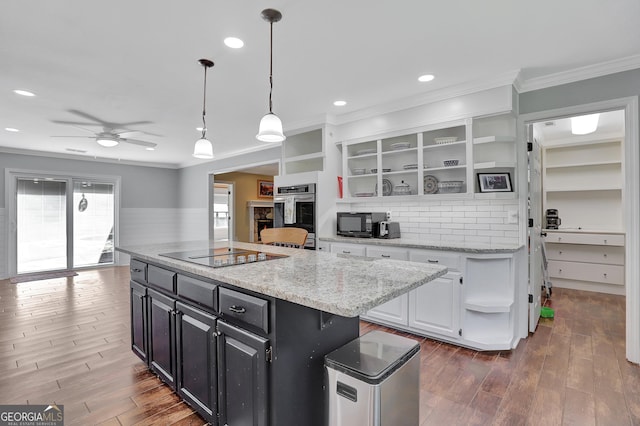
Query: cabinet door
point(162, 336)
point(138, 295)
point(435, 306)
point(396, 310)
point(242, 377)
point(196, 359)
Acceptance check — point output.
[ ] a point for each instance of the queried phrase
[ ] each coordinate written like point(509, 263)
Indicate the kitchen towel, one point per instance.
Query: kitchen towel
point(289, 211)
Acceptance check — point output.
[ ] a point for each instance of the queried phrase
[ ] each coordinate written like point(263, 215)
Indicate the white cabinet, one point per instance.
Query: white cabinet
point(488, 301)
point(586, 260)
point(473, 305)
point(435, 306)
point(395, 311)
point(436, 161)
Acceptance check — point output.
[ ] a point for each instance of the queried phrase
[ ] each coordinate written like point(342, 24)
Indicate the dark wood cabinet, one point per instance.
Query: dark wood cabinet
point(162, 343)
point(138, 296)
point(196, 370)
point(242, 376)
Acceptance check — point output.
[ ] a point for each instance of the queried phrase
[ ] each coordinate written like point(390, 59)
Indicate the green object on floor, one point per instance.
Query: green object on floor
point(546, 312)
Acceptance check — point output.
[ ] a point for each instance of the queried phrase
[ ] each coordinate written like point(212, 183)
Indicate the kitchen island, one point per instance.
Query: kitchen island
point(245, 344)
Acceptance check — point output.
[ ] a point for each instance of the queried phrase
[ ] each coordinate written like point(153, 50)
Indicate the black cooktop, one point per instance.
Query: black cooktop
point(223, 256)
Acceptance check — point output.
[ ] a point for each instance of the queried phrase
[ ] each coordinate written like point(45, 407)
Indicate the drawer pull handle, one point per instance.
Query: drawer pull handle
point(605, 241)
point(432, 261)
point(136, 270)
point(385, 255)
point(560, 252)
point(605, 255)
point(560, 270)
point(237, 309)
point(346, 252)
point(605, 275)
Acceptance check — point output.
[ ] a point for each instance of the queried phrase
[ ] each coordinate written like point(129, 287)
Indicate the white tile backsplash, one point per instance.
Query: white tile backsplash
point(482, 221)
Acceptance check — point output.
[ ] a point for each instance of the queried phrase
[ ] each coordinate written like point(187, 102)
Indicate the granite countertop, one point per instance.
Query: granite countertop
point(433, 245)
point(336, 283)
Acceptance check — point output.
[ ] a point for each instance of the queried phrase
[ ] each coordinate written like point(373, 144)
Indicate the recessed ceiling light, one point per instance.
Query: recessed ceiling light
point(11, 129)
point(425, 78)
point(340, 103)
point(233, 42)
point(150, 148)
point(23, 92)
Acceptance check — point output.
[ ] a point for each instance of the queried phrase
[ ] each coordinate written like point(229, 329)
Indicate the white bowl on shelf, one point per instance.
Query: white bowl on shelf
point(359, 171)
point(448, 139)
point(450, 186)
point(450, 163)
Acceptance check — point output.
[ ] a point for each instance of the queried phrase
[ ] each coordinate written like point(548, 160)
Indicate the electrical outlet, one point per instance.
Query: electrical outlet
point(388, 215)
point(512, 215)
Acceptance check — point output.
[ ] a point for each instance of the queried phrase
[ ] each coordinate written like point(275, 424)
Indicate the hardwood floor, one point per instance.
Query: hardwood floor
point(66, 341)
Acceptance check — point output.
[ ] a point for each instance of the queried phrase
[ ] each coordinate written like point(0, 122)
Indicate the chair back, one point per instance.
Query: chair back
point(285, 237)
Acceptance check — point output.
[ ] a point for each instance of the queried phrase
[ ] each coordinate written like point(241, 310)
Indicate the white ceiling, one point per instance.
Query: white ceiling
point(124, 61)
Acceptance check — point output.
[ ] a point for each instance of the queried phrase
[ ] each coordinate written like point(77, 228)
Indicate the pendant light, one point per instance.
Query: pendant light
point(270, 129)
point(203, 147)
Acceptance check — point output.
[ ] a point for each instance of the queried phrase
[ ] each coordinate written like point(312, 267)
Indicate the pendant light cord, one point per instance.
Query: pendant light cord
point(204, 104)
point(271, 68)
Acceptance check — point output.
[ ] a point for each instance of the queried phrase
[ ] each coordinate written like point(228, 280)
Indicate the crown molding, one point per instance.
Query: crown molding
point(90, 158)
point(582, 73)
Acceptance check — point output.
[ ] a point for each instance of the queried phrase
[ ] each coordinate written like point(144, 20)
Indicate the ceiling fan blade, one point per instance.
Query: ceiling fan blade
point(129, 133)
point(93, 118)
point(58, 136)
point(74, 123)
point(132, 123)
point(141, 143)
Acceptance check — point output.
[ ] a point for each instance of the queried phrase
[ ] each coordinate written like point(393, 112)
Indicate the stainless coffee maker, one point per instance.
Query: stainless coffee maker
point(553, 221)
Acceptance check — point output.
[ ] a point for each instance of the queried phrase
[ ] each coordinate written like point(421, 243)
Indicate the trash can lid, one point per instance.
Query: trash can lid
point(372, 357)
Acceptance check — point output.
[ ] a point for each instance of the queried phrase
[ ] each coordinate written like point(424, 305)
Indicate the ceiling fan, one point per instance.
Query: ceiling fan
point(112, 133)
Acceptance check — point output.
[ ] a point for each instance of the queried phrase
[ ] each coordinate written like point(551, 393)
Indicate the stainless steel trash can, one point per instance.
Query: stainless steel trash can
point(373, 380)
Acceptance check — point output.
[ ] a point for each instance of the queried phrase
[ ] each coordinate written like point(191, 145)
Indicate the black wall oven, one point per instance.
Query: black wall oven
point(295, 206)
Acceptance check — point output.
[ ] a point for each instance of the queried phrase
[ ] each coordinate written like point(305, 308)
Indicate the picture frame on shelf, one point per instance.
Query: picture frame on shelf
point(265, 189)
point(495, 182)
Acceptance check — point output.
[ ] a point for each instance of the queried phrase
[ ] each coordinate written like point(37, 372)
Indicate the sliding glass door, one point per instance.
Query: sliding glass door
point(63, 223)
point(41, 219)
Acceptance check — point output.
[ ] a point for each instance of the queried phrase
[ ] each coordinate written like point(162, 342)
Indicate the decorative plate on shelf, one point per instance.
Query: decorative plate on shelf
point(400, 145)
point(387, 187)
point(366, 151)
point(430, 184)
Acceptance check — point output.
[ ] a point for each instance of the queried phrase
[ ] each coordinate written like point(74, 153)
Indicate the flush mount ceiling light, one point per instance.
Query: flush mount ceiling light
point(270, 129)
point(11, 129)
point(233, 42)
point(425, 78)
point(203, 148)
point(584, 124)
point(23, 93)
point(340, 103)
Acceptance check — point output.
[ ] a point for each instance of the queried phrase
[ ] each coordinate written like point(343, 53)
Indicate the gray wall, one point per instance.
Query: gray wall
point(141, 187)
point(612, 86)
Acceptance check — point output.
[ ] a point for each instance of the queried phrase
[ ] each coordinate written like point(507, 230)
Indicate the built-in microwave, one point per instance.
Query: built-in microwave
point(358, 224)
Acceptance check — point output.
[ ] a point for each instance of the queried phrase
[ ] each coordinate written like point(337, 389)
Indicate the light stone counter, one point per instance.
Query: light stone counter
point(335, 283)
point(429, 245)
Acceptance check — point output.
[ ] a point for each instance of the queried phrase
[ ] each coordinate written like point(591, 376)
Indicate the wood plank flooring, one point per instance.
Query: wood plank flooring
point(66, 341)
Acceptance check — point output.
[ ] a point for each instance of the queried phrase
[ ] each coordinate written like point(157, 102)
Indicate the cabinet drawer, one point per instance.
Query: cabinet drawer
point(162, 278)
point(593, 272)
point(197, 291)
point(248, 309)
point(580, 238)
point(613, 255)
point(351, 249)
point(138, 271)
point(387, 253)
point(450, 260)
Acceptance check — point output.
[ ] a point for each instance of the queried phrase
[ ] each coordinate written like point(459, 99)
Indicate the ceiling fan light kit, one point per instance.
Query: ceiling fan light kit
point(270, 129)
point(107, 140)
point(203, 147)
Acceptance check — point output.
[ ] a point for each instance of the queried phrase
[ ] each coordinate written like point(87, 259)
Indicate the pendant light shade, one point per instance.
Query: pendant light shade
point(270, 129)
point(203, 147)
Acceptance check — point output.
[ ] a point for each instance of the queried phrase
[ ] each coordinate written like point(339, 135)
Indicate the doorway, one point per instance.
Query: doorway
point(589, 204)
point(222, 211)
point(59, 223)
